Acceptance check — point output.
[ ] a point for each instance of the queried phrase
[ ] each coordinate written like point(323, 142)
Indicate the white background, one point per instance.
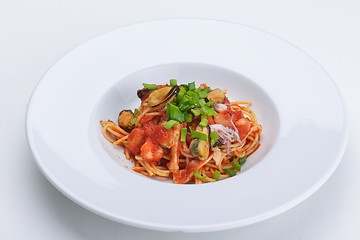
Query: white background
point(35, 33)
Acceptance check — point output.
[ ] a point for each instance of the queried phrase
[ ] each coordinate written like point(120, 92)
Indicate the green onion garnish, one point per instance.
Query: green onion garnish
point(186, 106)
point(191, 86)
point(204, 111)
point(136, 111)
point(174, 113)
point(198, 135)
point(230, 171)
point(182, 88)
point(213, 138)
point(190, 101)
point(133, 121)
point(185, 86)
point(188, 117)
point(242, 160)
point(173, 82)
point(204, 121)
point(169, 124)
point(212, 112)
point(216, 174)
point(195, 112)
point(209, 104)
point(183, 134)
point(198, 175)
point(149, 86)
point(202, 102)
point(203, 93)
point(180, 97)
point(236, 165)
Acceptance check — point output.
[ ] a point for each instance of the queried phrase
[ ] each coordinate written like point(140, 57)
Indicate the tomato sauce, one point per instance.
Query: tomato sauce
point(185, 175)
point(243, 125)
point(157, 133)
point(146, 141)
point(151, 152)
point(135, 140)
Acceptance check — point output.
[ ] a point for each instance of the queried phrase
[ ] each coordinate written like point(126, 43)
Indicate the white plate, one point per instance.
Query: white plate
point(297, 103)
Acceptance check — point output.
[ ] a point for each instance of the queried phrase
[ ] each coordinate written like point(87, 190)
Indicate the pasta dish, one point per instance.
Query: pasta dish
point(186, 133)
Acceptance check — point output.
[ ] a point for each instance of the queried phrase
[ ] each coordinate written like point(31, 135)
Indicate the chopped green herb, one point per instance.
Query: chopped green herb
point(186, 106)
point(185, 86)
point(216, 174)
point(204, 121)
point(191, 86)
point(179, 97)
point(236, 165)
point(195, 112)
point(173, 82)
point(230, 171)
point(182, 88)
point(189, 98)
point(133, 121)
point(202, 102)
point(188, 117)
point(203, 93)
point(174, 113)
point(136, 111)
point(209, 104)
point(204, 111)
point(198, 175)
point(198, 135)
point(170, 124)
point(183, 134)
point(149, 86)
point(213, 138)
point(211, 112)
point(242, 161)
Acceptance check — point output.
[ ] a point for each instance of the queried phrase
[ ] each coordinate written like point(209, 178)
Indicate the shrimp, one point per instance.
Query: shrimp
point(223, 118)
point(244, 126)
point(151, 152)
point(136, 140)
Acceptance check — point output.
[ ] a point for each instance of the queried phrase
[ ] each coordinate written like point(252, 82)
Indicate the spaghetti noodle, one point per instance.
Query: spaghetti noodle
point(186, 133)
